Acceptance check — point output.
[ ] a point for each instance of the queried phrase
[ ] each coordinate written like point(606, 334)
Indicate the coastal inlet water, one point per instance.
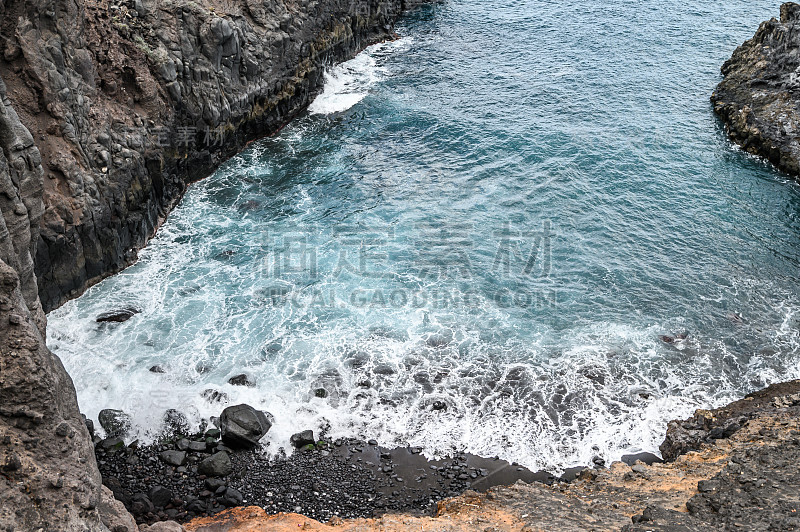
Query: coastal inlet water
point(474, 240)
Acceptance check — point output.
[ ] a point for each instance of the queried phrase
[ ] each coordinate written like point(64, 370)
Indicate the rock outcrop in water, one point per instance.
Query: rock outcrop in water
point(107, 111)
point(759, 95)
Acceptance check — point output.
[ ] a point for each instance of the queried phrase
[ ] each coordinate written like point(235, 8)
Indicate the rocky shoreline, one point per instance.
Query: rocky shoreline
point(732, 468)
point(758, 97)
point(185, 475)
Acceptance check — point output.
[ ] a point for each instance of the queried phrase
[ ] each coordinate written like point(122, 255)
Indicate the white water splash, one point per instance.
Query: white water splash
point(348, 83)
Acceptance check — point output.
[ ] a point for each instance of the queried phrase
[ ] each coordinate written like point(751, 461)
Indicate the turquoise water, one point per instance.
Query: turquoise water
point(500, 213)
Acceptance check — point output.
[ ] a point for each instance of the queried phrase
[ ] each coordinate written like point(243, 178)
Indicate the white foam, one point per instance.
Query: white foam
point(346, 84)
point(523, 403)
point(514, 388)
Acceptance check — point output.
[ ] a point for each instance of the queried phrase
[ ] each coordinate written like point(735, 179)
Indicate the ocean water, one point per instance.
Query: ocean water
point(474, 240)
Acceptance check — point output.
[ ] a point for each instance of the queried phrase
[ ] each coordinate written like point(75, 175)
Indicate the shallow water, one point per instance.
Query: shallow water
point(500, 213)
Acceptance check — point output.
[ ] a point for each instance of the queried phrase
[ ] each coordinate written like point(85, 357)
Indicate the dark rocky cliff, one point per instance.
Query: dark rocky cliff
point(107, 111)
point(130, 101)
point(760, 91)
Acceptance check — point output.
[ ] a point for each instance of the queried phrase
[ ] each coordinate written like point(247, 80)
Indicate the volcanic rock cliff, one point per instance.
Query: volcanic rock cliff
point(107, 111)
point(759, 95)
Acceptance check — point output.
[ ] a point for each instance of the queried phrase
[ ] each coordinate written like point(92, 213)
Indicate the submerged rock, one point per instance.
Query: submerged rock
point(243, 425)
point(117, 316)
point(215, 396)
point(242, 380)
point(440, 339)
point(114, 422)
point(174, 423)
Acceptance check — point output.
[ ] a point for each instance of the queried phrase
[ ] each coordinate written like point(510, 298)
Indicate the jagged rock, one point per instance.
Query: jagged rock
point(706, 426)
point(759, 95)
point(163, 526)
point(115, 423)
point(216, 465)
point(96, 107)
point(243, 425)
point(37, 397)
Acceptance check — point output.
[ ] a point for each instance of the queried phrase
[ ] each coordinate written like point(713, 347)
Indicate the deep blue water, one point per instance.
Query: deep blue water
point(503, 212)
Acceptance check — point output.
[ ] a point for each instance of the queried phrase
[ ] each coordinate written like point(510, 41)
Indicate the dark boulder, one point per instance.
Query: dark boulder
point(89, 425)
point(141, 504)
point(196, 506)
point(111, 445)
point(213, 484)
point(173, 458)
point(243, 425)
point(230, 497)
point(160, 496)
point(301, 439)
point(216, 465)
point(197, 446)
point(114, 422)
